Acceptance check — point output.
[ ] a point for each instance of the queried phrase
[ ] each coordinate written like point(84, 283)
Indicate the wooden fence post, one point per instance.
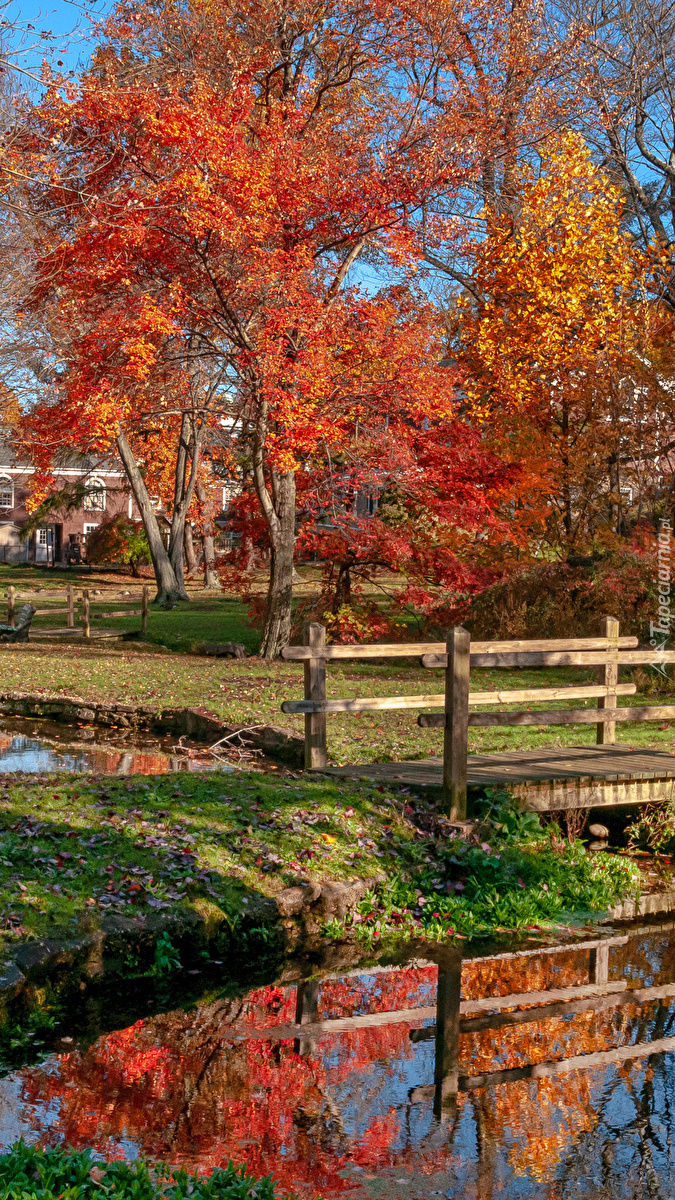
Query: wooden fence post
point(598, 967)
point(315, 689)
point(144, 610)
point(71, 606)
point(446, 1074)
point(306, 1011)
point(455, 740)
point(11, 601)
point(609, 675)
point(86, 628)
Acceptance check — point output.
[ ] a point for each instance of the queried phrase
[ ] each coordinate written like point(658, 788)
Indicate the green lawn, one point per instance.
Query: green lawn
point(76, 847)
point(72, 849)
point(208, 617)
point(250, 691)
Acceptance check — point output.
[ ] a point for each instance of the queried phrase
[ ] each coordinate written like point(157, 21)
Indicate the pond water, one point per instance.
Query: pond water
point(393, 1086)
point(38, 747)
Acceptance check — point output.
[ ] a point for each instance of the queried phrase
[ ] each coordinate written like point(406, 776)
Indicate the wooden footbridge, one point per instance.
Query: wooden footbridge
point(545, 779)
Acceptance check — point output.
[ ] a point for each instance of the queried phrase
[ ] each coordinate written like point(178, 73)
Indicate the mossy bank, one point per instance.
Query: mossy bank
point(99, 875)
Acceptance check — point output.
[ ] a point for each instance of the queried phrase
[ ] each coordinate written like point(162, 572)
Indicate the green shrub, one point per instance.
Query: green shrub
point(509, 874)
point(28, 1173)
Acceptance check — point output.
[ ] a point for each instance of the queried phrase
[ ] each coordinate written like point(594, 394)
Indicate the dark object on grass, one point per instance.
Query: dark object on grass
point(224, 649)
point(18, 632)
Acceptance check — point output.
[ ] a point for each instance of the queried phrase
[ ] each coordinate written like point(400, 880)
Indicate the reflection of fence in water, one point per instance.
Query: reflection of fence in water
point(267, 1079)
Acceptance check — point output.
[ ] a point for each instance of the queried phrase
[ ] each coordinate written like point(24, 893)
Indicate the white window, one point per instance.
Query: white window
point(43, 537)
point(95, 498)
point(89, 529)
point(6, 492)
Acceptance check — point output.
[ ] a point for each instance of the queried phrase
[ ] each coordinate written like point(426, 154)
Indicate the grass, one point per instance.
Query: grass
point(29, 1173)
point(250, 692)
point(208, 617)
point(510, 874)
point(72, 850)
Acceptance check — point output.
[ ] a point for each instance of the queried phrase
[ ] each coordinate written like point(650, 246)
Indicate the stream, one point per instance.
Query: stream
point(39, 747)
point(381, 1080)
point(542, 1072)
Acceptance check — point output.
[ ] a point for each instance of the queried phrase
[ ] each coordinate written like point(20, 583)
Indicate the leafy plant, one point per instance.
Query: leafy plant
point(508, 875)
point(29, 1172)
point(506, 820)
point(119, 540)
point(28, 1041)
point(653, 829)
point(167, 958)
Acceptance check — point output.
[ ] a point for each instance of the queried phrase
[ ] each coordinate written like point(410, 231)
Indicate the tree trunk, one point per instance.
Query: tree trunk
point(167, 585)
point(182, 495)
point(211, 579)
point(343, 588)
point(190, 556)
point(277, 631)
point(278, 509)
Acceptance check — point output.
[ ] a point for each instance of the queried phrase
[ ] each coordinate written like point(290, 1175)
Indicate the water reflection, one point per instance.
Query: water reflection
point(22, 752)
point(390, 1083)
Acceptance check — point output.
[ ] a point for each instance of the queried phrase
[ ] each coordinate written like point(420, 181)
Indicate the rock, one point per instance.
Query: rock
point(599, 831)
point(598, 846)
point(35, 958)
point(291, 901)
point(278, 743)
point(338, 899)
point(224, 649)
point(11, 980)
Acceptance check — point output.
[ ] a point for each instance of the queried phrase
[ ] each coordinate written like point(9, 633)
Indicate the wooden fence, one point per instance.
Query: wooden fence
point(607, 652)
point(78, 611)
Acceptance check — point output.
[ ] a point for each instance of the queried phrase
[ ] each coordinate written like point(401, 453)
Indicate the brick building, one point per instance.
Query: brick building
point(107, 494)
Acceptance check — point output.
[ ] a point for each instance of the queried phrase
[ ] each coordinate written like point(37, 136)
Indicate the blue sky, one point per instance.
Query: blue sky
point(68, 22)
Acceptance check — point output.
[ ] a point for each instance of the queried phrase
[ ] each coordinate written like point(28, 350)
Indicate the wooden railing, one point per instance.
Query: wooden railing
point(85, 615)
point(607, 652)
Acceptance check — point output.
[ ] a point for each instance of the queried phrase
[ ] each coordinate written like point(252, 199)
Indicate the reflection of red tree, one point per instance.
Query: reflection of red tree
point(182, 1088)
point(386, 991)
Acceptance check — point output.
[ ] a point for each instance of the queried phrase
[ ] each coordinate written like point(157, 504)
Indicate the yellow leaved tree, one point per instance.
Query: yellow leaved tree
point(563, 351)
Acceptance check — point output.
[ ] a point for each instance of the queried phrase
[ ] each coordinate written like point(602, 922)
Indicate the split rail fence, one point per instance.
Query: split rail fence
point(608, 653)
point(79, 611)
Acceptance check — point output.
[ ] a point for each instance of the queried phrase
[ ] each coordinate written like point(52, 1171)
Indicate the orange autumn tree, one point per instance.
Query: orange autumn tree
point(560, 344)
point(223, 175)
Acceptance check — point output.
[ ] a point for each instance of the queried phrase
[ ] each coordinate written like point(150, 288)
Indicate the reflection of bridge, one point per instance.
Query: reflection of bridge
point(452, 1016)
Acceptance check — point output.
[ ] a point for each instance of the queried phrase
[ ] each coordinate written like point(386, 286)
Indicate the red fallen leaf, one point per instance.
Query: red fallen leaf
point(97, 1174)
